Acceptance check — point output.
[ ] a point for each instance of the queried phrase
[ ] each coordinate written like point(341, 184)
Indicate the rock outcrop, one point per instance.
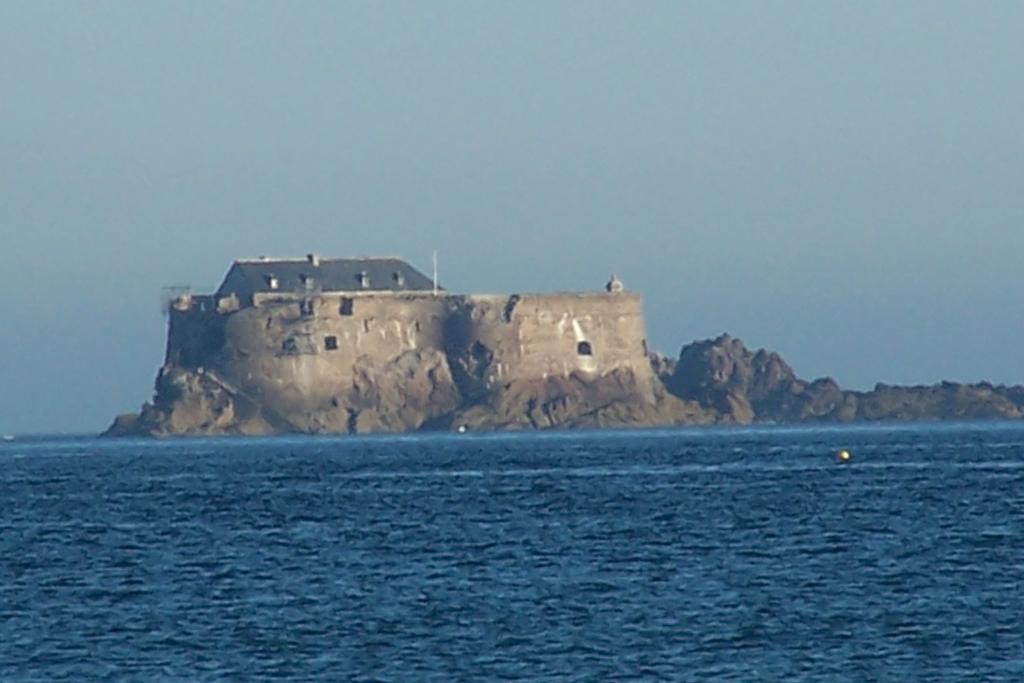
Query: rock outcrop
point(714, 381)
point(197, 404)
point(400, 396)
point(944, 401)
point(746, 386)
point(618, 399)
point(415, 392)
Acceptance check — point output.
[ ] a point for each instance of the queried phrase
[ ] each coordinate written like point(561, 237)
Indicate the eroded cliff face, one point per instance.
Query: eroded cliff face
point(192, 403)
point(398, 396)
point(415, 392)
point(621, 398)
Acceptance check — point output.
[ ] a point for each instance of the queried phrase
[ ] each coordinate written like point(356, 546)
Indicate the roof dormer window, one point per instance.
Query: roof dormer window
point(364, 279)
point(398, 278)
point(272, 282)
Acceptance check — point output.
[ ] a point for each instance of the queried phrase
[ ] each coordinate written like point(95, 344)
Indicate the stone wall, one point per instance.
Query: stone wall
point(504, 339)
point(295, 354)
point(195, 331)
point(391, 361)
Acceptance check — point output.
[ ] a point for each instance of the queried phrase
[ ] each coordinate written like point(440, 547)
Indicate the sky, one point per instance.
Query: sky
point(839, 182)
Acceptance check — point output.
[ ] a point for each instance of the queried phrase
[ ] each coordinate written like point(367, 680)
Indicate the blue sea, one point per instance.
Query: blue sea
point(686, 555)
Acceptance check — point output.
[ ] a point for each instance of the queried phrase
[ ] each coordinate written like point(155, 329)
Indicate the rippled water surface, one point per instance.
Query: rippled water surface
point(739, 555)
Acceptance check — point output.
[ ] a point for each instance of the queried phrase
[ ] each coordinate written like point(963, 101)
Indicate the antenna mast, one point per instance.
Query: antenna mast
point(435, 272)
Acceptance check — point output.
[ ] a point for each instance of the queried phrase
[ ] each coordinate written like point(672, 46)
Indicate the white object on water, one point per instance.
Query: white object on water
point(8, 437)
point(462, 429)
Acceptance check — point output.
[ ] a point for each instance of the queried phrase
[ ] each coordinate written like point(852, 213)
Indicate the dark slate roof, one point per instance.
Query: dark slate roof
point(330, 275)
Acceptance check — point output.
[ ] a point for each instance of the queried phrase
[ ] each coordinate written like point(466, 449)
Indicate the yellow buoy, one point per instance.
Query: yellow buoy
point(842, 456)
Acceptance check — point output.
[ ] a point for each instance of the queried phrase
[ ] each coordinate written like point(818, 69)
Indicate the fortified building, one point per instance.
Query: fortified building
point(372, 344)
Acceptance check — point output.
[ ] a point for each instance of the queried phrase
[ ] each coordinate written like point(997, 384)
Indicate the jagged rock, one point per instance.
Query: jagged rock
point(400, 396)
point(192, 403)
point(746, 386)
point(414, 389)
point(663, 366)
point(741, 384)
point(618, 399)
point(126, 424)
point(946, 401)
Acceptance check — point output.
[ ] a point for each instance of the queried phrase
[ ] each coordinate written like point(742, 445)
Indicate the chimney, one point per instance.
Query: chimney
point(314, 259)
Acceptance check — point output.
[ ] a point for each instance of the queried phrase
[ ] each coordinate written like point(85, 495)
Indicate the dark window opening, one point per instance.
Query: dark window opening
point(346, 306)
point(510, 305)
point(289, 346)
point(306, 307)
point(584, 349)
point(331, 343)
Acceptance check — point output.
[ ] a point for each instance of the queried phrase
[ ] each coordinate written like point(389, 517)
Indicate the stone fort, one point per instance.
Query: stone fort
point(314, 344)
point(311, 345)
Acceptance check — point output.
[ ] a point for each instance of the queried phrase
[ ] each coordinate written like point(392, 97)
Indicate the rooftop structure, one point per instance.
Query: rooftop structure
point(297, 276)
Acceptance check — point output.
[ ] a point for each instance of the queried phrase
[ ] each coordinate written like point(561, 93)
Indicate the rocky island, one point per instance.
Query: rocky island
point(317, 345)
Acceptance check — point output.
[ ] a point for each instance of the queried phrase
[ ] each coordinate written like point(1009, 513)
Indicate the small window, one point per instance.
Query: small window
point(364, 279)
point(272, 282)
point(510, 306)
point(306, 307)
point(346, 306)
point(584, 349)
point(289, 346)
point(331, 343)
point(398, 278)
